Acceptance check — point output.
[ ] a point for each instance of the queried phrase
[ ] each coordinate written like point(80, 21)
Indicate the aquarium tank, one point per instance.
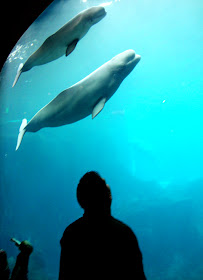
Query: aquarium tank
point(147, 141)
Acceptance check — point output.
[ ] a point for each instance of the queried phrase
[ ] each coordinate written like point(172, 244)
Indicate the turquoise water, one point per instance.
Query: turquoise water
point(146, 142)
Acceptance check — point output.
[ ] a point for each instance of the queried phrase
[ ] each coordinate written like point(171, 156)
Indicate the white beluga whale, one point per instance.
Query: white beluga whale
point(86, 97)
point(64, 41)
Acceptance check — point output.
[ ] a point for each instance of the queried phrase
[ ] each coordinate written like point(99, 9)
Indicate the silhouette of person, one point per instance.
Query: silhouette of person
point(97, 245)
point(4, 268)
point(20, 270)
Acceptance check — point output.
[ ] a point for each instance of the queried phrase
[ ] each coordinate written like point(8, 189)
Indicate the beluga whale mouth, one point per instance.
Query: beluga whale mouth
point(98, 14)
point(126, 60)
point(101, 12)
point(131, 57)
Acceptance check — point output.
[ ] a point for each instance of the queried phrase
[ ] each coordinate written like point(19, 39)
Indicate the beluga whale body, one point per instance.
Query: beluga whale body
point(86, 97)
point(64, 41)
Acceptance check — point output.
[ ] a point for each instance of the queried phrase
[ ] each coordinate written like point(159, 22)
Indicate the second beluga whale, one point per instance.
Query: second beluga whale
point(64, 41)
point(86, 97)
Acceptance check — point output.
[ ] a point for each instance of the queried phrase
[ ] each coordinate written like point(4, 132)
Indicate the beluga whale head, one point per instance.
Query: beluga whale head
point(94, 14)
point(121, 65)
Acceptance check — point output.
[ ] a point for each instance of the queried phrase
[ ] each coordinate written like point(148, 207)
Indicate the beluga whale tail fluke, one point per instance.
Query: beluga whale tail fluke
point(19, 71)
point(87, 97)
point(22, 131)
point(63, 41)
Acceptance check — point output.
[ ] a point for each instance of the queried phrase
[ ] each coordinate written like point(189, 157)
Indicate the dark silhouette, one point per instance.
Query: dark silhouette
point(15, 20)
point(20, 270)
point(4, 268)
point(97, 245)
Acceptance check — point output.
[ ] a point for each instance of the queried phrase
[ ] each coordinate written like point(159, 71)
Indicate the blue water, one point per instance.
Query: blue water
point(147, 142)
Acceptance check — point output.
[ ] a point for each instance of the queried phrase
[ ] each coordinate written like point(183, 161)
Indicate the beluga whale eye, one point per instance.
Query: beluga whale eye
point(91, 19)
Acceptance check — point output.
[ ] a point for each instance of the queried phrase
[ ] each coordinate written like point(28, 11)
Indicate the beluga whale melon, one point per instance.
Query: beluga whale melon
point(87, 97)
point(64, 41)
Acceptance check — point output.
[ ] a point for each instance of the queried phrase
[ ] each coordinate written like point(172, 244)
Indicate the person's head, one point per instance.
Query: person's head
point(93, 194)
point(25, 247)
point(3, 260)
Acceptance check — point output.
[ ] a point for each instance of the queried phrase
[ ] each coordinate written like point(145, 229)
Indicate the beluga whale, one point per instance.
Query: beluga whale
point(86, 97)
point(63, 41)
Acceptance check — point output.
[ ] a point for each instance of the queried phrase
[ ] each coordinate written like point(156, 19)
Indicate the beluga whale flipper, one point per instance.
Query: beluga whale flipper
point(86, 97)
point(64, 41)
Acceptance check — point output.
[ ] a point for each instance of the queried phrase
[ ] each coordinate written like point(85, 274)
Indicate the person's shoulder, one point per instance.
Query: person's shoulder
point(72, 229)
point(76, 223)
point(122, 227)
point(117, 223)
point(124, 232)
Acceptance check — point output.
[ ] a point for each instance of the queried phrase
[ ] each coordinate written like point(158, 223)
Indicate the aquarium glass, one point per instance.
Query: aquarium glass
point(147, 142)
